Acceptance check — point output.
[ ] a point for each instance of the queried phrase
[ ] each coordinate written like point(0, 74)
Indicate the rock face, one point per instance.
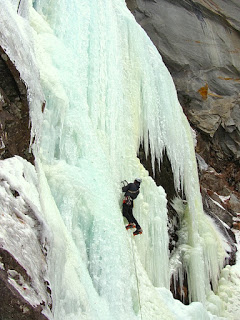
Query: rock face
point(12, 303)
point(24, 289)
point(14, 112)
point(199, 41)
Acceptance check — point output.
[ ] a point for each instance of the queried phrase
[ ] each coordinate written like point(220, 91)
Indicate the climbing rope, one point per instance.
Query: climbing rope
point(19, 3)
point(139, 299)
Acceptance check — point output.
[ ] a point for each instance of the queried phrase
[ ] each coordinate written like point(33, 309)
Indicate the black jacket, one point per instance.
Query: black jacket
point(132, 190)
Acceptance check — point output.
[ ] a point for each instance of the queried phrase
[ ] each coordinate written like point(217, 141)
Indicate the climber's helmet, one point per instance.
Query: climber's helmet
point(138, 180)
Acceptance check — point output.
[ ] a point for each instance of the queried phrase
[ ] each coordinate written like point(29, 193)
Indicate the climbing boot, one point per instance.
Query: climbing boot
point(130, 226)
point(138, 231)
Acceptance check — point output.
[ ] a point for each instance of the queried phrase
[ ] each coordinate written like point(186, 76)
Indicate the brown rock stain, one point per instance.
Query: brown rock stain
point(214, 95)
point(236, 225)
point(227, 79)
point(234, 51)
point(204, 92)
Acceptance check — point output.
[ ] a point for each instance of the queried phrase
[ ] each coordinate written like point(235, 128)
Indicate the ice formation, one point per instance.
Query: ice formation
point(107, 90)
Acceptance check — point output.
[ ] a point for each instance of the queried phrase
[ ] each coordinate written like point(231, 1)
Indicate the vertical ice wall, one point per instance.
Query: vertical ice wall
point(86, 150)
point(106, 90)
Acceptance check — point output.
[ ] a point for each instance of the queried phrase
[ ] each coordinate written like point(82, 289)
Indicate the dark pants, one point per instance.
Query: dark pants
point(127, 213)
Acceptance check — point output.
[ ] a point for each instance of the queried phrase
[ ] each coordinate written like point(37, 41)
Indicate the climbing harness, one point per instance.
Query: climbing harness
point(139, 299)
point(127, 200)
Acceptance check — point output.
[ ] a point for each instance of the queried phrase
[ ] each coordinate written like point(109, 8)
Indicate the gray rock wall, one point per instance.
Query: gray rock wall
point(14, 112)
point(24, 288)
point(200, 44)
point(199, 41)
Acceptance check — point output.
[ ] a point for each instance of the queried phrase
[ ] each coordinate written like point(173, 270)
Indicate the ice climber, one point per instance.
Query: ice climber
point(131, 192)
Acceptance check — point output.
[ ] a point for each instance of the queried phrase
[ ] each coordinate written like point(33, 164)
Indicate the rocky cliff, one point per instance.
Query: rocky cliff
point(199, 41)
point(14, 112)
point(24, 290)
point(200, 44)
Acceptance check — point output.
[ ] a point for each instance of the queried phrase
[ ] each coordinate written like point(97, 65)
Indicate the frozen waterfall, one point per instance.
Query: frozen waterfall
point(107, 90)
